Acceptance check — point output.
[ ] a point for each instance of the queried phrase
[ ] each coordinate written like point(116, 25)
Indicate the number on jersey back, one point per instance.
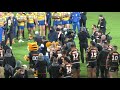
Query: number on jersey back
point(75, 55)
point(115, 57)
point(94, 54)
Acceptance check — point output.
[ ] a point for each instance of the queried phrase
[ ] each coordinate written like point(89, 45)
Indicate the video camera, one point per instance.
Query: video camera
point(108, 37)
point(68, 31)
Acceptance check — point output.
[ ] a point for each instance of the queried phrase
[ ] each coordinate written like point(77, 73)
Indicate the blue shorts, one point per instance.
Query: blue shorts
point(65, 22)
point(41, 23)
point(21, 27)
point(55, 22)
point(30, 25)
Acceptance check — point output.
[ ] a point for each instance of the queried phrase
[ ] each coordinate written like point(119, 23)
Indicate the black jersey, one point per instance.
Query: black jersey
point(114, 59)
point(67, 71)
point(33, 56)
point(92, 54)
point(54, 71)
point(102, 58)
point(75, 57)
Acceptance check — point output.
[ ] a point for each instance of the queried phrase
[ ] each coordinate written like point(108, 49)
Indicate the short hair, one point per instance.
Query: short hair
point(115, 47)
point(67, 59)
point(72, 45)
point(94, 25)
point(64, 52)
point(100, 15)
point(93, 43)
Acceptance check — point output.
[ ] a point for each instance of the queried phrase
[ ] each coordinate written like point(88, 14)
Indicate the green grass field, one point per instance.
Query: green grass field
point(113, 26)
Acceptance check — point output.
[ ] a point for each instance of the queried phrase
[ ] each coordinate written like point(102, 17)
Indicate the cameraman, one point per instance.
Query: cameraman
point(60, 35)
point(38, 38)
point(83, 36)
point(53, 35)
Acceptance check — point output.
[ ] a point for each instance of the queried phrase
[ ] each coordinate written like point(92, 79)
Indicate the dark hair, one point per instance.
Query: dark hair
point(98, 40)
point(64, 52)
point(100, 15)
point(44, 37)
point(94, 25)
point(52, 28)
point(93, 43)
point(72, 45)
point(115, 47)
point(67, 60)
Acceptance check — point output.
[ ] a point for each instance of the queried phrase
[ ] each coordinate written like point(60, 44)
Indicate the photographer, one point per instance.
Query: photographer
point(102, 24)
point(60, 35)
point(41, 67)
point(103, 61)
point(21, 72)
point(53, 35)
point(83, 36)
point(9, 63)
point(54, 69)
point(38, 38)
point(96, 36)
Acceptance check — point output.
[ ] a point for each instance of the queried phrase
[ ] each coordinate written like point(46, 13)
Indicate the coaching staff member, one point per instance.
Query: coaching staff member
point(83, 36)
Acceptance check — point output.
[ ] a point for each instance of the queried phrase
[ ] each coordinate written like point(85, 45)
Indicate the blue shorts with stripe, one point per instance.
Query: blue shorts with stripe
point(30, 25)
point(64, 22)
point(41, 23)
point(21, 27)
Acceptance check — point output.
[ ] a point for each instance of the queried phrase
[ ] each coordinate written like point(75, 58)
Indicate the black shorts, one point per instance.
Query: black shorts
point(76, 66)
point(67, 77)
point(113, 69)
point(92, 64)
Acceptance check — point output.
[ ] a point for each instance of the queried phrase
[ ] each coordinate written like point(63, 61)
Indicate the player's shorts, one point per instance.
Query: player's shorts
point(55, 22)
point(92, 64)
point(41, 23)
point(21, 27)
point(30, 25)
point(65, 22)
point(76, 66)
point(113, 69)
point(67, 77)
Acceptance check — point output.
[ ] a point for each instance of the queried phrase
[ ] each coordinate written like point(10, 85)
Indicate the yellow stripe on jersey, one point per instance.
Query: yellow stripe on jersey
point(57, 14)
point(41, 16)
point(65, 16)
point(2, 21)
point(21, 19)
point(30, 18)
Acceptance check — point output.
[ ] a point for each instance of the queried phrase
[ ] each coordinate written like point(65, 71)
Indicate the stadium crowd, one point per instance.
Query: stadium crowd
point(57, 56)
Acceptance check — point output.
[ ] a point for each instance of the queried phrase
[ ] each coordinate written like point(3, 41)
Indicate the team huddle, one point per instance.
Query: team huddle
point(58, 55)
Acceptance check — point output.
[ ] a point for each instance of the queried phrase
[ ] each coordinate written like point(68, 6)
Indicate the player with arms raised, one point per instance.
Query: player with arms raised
point(91, 58)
